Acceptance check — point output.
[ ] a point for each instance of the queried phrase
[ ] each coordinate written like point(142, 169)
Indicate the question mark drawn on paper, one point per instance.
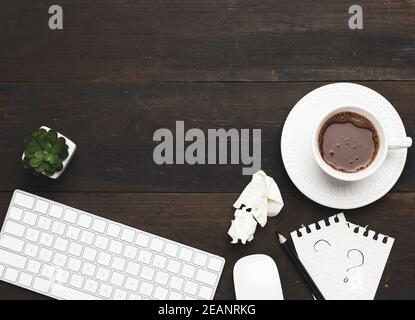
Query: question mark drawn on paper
point(321, 240)
point(356, 266)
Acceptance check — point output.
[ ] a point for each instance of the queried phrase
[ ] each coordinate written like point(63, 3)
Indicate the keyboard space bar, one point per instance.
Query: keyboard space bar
point(66, 293)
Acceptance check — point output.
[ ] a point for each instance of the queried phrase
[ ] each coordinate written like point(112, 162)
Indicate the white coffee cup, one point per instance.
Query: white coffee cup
point(385, 143)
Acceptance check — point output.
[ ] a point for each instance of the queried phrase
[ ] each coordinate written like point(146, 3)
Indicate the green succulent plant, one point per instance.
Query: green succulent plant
point(44, 152)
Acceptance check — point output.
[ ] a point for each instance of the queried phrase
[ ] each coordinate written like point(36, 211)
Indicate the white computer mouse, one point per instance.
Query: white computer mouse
point(256, 277)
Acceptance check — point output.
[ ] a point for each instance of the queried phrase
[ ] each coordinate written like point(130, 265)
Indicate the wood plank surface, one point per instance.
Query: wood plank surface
point(207, 40)
point(113, 125)
point(202, 220)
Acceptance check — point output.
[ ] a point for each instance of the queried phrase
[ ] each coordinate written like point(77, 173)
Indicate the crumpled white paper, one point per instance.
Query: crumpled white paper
point(243, 227)
point(260, 199)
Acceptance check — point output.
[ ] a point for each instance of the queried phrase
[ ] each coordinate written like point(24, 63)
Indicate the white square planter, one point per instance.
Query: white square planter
point(65, 163)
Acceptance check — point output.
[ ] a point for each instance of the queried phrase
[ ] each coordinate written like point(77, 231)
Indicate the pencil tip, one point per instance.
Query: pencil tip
point(281, 238)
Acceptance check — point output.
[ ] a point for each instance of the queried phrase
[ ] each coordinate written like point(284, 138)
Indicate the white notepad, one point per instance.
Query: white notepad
point(344, 260)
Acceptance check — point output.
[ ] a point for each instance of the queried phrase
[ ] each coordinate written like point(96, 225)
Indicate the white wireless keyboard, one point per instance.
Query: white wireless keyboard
point(66, 253)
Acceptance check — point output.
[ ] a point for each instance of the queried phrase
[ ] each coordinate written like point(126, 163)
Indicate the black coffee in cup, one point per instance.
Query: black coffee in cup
point(348, 142)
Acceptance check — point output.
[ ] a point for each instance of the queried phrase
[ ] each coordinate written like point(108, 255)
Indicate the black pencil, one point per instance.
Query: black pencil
point(296, 261)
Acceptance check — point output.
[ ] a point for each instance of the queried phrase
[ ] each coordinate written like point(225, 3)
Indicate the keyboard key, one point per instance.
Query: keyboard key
point(48, 271)
point(157, 244)
point(162, 278)
point(73, 233)
point(144, 256)
point(33, 266)
point(66, 293)
point(104, 259)
point(62, 276)
point(173, 266)
point(175, 296)
point(77, 281)
point(176, 283)
point(103, 274)
point(205, 293)
point(88, 269)
point(46, 239)
point(60, 259)
point(117, 279)
point(159, 261)
point(29, 218)
point(15, 213)
point(188, 271)
point(42, 285)
point(87, 237)
point(142, 240)
point(146, 288)
point(45, 255)
point(44, 223)
point(23, 200)
point(90, 254)
point(101, 242)
point(84, 220)
point(14, 228)
point(127, 235)
point(70, 216)
point(131, 284)
point(206, 277)
point(75, 249)
point(190, 287)
point(56, 211)
point(118, 263)
point(132, 268)
point(99, 225)
point(116, 247)
point(215, 264)
point(11, 243)
point(147, 273)
point(91, 286)
point(1, 269)
point(25, 279)
point(160, 293)
point(41, 206)
point(185, 254)
point(120, 294)
point(58, 228)
point(130, 252)
point(105, 290)
point(113, 230)
point(61, 244)
point(11, 274)
point(31, 250)
point(171, 249)
point(32, 234)
point(74, 264)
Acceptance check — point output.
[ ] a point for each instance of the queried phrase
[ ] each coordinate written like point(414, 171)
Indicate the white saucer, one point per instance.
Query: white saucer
point(298, 159)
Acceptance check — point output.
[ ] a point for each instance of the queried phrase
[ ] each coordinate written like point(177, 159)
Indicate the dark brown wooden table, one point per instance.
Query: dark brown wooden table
point(122, 69)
